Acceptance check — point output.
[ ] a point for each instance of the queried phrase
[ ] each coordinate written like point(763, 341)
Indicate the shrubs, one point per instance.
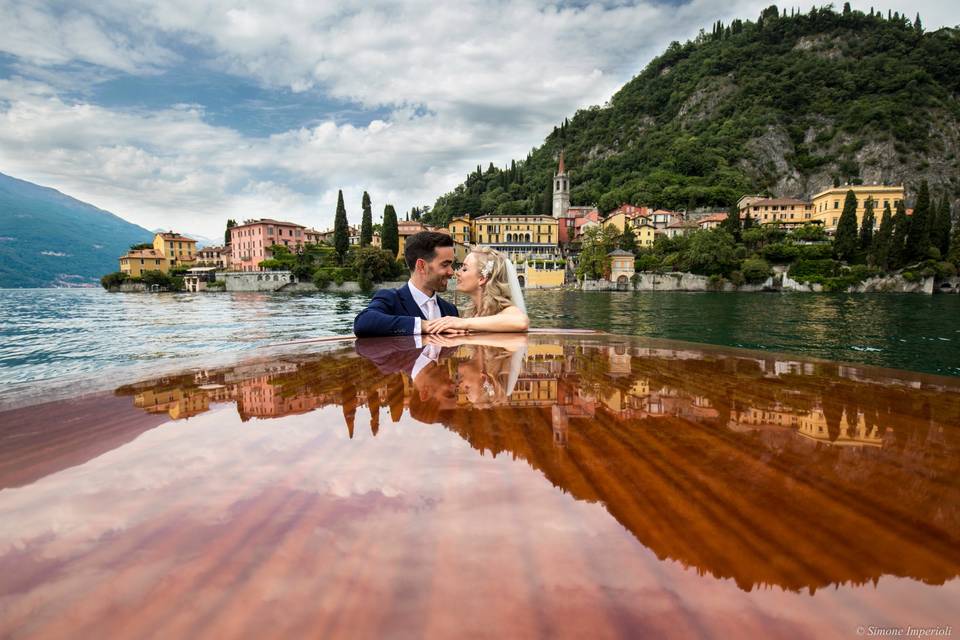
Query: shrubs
point(814, 270)
point(781, 252)
point(113, 280)
point(755, 270)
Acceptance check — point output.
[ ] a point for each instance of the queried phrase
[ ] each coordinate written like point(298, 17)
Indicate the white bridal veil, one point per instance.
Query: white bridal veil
point(516, 293)
point(516, 296)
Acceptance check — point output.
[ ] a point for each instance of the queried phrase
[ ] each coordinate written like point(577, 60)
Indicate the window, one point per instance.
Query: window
point(836, 204)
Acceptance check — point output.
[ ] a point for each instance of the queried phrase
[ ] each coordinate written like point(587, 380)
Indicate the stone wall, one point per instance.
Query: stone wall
point(646, 281)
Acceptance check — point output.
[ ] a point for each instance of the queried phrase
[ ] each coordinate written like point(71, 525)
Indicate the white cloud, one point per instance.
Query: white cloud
point(492, 79)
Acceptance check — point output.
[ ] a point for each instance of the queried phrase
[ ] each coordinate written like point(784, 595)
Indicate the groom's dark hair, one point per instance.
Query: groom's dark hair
point(424, 245)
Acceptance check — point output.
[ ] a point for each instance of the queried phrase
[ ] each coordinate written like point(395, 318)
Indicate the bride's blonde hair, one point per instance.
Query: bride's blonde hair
point(495, 293)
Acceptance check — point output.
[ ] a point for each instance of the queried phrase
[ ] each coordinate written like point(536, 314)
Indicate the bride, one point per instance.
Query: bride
point(490, 280)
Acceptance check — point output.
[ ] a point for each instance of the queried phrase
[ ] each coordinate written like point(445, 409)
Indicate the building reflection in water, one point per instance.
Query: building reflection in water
point(767, 471)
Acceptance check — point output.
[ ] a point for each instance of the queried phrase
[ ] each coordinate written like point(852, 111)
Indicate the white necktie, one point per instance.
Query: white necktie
point(432, 311)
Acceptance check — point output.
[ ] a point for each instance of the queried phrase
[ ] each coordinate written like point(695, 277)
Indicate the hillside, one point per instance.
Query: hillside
point(788, 104)
point(48, 239)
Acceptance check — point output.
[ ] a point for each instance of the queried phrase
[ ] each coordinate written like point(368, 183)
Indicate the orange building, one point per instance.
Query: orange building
point(250, 242)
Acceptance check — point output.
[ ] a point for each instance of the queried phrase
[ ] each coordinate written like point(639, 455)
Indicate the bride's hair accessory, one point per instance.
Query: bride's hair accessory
point(487, 269)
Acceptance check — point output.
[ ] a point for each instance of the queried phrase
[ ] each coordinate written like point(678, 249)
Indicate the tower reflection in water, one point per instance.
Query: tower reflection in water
point(767, 471)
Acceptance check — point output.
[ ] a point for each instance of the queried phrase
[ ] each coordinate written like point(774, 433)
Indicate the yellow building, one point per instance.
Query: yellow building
point(828, 204)
point(176, 248)
point(541, 274)
point(136, 261)
point(783, 211)
point(520, 237)
point(646, 233)
point(461, 229)
point(616, 220)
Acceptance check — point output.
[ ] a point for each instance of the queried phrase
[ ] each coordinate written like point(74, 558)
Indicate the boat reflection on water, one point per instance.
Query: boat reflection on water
point(754, 481)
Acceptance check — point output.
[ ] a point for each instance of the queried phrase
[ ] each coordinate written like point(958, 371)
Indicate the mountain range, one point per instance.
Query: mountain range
point(48, 239)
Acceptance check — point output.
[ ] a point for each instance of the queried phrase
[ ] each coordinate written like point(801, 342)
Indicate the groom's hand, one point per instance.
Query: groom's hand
point(446, 324)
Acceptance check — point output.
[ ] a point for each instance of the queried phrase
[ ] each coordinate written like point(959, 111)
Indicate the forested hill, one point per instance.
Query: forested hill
point(48, 239)
point(787, 104)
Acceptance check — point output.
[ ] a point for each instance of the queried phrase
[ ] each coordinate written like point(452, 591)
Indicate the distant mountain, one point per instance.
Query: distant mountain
point(789, 103)
point(48, 239)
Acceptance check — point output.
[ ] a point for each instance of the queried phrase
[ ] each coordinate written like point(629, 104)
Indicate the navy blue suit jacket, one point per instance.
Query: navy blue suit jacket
point(391, 313)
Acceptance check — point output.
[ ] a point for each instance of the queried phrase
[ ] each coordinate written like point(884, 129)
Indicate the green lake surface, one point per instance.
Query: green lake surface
point(50, 338)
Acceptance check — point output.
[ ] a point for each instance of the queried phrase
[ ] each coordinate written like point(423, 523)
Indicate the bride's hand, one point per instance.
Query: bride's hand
point(446, 324)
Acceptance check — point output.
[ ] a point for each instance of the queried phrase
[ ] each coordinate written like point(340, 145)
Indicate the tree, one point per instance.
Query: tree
point(954, 253)
point(628, 239)
point(940, 230)
point(226, 235)
point(732, 222)
point(366, 223)
point(880, 247)
point(376, 264)
point(866, 228)
point(845, 239)
point(898, 245)
point(712, 252)
point(390, 239)
point(141, 245)
point(596, 244)
point(918, 239)
point(341, 231)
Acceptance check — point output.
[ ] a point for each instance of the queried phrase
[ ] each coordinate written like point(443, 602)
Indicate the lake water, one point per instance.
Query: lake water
point(52, 340)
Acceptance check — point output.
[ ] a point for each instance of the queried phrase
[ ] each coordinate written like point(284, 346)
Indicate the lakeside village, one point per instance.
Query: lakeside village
point(852, 237)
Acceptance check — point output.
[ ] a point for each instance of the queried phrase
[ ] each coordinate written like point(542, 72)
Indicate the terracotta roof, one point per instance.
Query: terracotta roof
point(143, 253)
point(175, 236)
point(682, 224)
point(561, 169)
point(252, 223)
point(713, 217)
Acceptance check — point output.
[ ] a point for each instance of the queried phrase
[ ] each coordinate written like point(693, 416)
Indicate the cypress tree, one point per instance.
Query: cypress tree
point(866, 228)
point(226, 235)
point(390, 238)
point(918, 240)
point(366, 223)
point(880, 248)
point(940, 231)
point(954, 253)
point(898, 245)
point(732, 222)
point(628, 240)
point(341, 232)
point(845, 239)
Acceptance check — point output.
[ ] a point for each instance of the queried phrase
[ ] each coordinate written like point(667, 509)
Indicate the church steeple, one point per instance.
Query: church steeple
point(561, 190)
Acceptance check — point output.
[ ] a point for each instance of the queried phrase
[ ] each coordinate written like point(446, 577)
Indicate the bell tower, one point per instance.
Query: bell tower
point(561, 191)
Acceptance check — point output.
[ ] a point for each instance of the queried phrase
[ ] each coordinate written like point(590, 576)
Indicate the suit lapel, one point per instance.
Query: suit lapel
point(409, 305)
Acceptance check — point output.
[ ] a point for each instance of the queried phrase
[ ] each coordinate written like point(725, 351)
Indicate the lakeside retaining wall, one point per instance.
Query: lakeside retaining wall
point(676, 281)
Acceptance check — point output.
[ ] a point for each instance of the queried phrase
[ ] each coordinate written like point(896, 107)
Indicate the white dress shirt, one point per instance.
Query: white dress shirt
point(431, 311)
point(422, 301)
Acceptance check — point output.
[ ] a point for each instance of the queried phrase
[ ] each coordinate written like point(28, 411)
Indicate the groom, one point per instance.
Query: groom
point(406, 310)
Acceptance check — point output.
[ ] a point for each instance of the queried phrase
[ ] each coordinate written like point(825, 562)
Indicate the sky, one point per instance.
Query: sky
point(183, 113)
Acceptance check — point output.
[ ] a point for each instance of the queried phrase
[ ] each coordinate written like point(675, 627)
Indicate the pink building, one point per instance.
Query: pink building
point(250, 242)
point(570, 225)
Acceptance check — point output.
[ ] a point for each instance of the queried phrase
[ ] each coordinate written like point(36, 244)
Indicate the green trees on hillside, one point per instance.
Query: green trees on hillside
point(698, 127)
